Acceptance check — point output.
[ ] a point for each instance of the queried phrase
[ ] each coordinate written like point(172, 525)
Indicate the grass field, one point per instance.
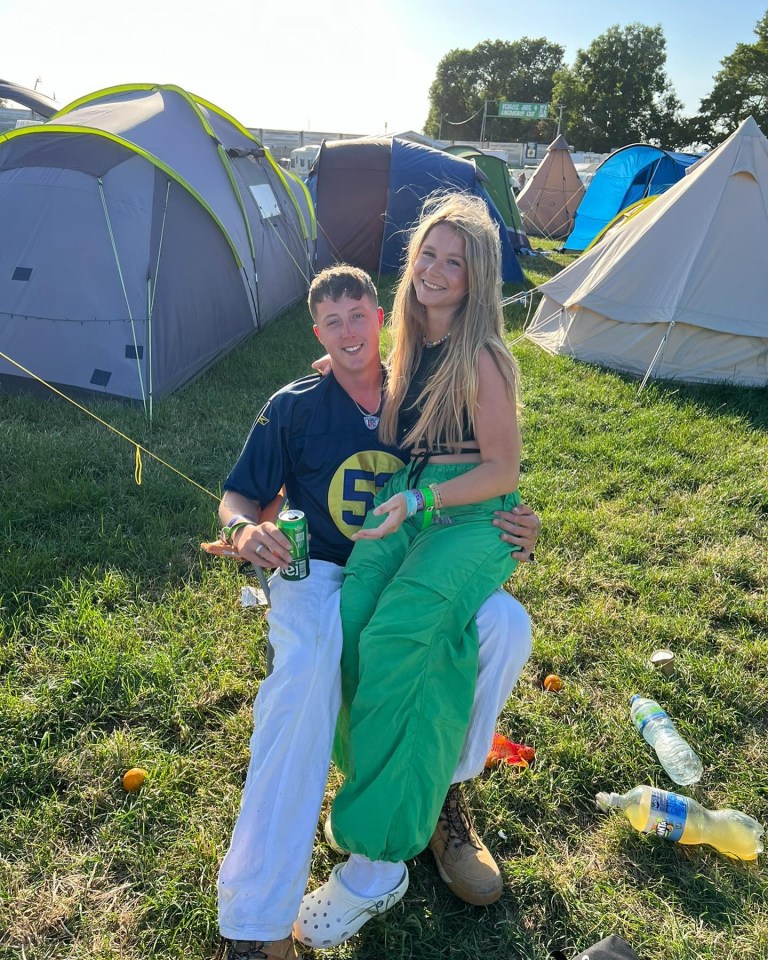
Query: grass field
point(122, 645)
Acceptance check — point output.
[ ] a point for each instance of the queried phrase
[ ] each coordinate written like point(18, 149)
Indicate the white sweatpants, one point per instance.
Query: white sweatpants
point(264, 874)
point(505, 643)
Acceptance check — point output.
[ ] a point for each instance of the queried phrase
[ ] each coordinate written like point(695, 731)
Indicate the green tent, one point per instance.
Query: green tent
point(498, 187)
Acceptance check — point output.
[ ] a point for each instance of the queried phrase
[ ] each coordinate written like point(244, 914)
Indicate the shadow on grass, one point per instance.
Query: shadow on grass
point(720, 399)
point(716, 399)
point(705, 885)
point(433, 924)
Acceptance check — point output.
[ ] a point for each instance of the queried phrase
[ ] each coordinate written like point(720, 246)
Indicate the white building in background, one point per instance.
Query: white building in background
point(12, 117)
point(302, 159)
point(282, 142)
point(304, 144)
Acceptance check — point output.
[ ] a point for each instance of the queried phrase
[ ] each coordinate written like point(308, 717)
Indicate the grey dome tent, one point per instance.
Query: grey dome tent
point(143, 233)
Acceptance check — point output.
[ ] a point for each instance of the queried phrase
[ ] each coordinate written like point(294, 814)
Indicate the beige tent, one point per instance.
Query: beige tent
point(548, 201)
point(680, 291)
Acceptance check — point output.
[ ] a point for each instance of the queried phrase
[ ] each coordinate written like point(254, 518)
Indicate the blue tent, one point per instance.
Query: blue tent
point(624, 177)
point(368, 192)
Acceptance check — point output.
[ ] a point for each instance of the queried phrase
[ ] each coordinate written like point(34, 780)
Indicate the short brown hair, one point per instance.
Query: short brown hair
point(341, 280)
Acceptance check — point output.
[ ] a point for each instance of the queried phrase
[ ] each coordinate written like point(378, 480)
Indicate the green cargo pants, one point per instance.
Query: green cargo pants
point(409, 667)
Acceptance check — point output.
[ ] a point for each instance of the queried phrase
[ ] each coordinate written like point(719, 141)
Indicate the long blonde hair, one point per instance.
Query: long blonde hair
point(449, 397)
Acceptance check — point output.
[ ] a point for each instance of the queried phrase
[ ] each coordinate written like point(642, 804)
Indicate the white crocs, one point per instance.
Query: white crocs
point(332, 914)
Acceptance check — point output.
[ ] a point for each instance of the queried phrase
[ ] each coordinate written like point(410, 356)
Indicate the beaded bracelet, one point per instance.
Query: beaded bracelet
point(437, 494)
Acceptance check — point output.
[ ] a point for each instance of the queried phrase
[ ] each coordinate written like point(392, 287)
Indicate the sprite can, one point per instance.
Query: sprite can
point(293, 524)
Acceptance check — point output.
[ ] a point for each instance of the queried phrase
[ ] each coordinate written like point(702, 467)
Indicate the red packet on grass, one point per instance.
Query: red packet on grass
point(503, 750)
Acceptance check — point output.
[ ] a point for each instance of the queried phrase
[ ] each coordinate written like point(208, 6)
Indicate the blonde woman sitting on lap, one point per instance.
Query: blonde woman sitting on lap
point(426, 559)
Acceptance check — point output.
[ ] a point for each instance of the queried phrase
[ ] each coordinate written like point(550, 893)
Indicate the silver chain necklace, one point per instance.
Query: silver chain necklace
point(371, 420)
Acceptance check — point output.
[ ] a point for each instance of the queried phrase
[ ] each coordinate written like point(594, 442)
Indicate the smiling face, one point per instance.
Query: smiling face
point(440, 277)
point(349, 331)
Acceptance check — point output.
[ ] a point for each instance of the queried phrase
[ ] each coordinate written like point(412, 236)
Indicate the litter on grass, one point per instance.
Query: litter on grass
point(505, 751)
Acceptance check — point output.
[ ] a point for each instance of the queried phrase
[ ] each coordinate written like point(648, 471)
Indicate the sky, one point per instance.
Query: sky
point(339, 66)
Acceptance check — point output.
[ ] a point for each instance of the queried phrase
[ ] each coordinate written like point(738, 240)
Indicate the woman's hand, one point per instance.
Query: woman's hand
point(396, 510)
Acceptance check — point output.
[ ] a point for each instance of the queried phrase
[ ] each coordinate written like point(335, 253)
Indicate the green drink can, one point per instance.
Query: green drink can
point(293, 524)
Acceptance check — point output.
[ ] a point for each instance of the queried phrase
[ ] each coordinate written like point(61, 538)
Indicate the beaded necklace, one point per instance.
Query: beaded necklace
point(436, 343)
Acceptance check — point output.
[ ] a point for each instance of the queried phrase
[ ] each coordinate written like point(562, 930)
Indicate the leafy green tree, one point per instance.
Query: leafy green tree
point(740, 91)
point(617, 92)
point(494, 70)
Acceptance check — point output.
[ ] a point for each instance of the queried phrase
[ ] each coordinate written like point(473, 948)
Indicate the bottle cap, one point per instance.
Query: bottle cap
point(663, 660)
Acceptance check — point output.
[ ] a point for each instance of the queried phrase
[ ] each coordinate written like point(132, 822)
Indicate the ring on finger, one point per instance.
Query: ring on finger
point(260, 547)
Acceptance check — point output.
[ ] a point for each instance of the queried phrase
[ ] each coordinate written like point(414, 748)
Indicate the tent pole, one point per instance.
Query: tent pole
point(160, 245)
point(151, 290)
point(125, 292)
point(655, 358)
point(150, 299)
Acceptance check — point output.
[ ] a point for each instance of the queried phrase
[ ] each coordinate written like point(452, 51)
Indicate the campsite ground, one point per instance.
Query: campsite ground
point(122, 645)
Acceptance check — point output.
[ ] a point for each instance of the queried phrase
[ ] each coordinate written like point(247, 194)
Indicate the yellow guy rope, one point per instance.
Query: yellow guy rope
point(139, 448)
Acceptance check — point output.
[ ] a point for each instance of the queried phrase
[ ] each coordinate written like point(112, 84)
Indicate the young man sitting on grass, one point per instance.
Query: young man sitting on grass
point(317, 437)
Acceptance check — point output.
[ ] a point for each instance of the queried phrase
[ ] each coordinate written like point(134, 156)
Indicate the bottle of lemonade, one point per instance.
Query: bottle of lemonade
point(675, 817)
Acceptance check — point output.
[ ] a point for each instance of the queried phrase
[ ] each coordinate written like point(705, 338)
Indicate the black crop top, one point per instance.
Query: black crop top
point(410, 409)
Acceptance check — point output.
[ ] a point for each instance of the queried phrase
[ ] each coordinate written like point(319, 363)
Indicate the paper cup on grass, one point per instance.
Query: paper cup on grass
point(663, 660)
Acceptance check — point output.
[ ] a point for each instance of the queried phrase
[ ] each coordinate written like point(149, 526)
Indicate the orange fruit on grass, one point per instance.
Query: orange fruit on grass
point(553, 683)
point(133, 779)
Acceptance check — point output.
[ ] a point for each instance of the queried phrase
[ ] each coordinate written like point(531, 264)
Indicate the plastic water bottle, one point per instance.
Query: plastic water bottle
point(675, 755)
point(682, 819)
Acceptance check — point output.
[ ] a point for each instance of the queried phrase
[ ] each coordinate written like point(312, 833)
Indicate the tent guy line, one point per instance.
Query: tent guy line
point(138, 446)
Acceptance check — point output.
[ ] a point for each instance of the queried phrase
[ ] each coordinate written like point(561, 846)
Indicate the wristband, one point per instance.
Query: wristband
point(413, 502)
point(235, 523)
point(429, 507)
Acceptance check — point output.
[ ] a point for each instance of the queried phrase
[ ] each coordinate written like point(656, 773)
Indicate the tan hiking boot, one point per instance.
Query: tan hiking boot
point(462, 859)
point(257, 950)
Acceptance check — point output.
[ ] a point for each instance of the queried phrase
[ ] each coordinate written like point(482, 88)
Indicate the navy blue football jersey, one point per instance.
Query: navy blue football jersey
point(311, 437)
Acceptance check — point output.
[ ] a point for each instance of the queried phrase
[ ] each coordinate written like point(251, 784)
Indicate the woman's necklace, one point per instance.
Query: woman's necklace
point(436, 343)
point(371, 420)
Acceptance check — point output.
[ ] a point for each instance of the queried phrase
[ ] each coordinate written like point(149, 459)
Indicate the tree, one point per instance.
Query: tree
point(740, 91)
point(617, 92)
point(494, 70)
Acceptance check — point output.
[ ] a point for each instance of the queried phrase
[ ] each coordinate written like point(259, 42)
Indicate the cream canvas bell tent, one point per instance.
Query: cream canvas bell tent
point(680, 291)
point(549, 200)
